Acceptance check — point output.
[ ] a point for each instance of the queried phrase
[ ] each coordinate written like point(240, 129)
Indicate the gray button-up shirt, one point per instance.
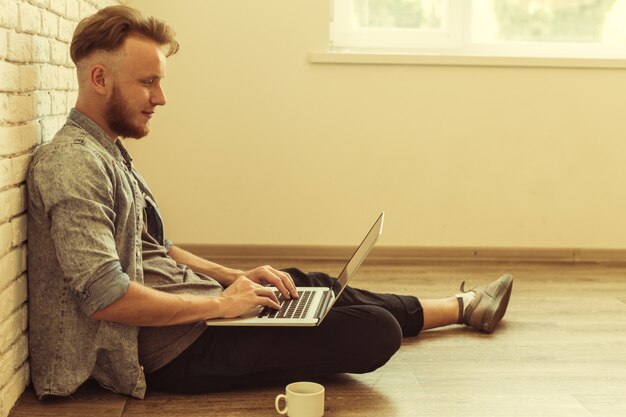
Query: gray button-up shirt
point(85, 219)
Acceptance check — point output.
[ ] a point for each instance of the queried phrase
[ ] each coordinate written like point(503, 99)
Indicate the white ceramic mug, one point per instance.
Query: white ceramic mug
point(302, 399)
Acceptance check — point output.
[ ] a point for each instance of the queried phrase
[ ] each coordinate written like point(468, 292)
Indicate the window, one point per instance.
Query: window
point(551, 28)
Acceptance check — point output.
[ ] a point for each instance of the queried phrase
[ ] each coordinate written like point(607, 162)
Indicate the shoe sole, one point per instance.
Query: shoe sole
point(500, 301)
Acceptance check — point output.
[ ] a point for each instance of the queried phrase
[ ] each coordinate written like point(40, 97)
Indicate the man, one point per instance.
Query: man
point(112, 299)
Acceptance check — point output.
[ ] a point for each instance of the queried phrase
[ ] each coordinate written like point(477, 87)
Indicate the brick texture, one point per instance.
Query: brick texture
point(37, 88)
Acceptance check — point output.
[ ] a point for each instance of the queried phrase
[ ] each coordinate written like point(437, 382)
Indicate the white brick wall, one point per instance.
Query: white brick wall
point(37, 89)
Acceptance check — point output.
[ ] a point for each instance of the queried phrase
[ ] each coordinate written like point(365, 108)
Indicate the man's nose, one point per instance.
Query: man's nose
point(158, 97)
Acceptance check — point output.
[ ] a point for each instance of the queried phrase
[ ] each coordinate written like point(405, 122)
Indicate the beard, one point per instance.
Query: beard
point(118, 120)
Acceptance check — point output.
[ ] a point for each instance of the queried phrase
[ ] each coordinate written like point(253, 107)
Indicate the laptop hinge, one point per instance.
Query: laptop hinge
point(323, 304)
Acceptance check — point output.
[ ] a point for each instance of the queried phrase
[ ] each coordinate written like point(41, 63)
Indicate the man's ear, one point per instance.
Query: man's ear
point(99, 79)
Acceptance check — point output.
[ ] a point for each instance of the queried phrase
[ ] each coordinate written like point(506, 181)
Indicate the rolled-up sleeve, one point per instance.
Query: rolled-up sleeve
point(105, 290)
point(76, 195)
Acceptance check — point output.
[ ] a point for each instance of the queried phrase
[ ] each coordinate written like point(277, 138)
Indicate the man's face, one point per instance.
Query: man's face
point(136, 90)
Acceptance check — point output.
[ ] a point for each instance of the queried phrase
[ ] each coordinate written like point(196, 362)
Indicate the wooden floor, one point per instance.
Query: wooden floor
point(560, 351)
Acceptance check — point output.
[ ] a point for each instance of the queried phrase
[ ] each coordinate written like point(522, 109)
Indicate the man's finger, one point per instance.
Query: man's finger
point(277, 279)
point(284, 283)
point(291, 285)
point(267, 293)
point(268, 302)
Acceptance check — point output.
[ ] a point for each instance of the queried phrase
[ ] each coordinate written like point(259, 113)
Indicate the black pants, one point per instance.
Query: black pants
point(360, 333)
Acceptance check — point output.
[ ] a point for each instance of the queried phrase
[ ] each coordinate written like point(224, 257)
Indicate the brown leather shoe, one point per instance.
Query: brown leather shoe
point(487, 308)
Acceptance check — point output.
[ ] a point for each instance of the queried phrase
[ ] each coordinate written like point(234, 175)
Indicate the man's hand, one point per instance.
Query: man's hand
point(243, 295)
point(268, 275)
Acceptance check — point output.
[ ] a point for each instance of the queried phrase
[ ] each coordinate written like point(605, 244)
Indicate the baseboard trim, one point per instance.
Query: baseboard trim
point(408, 255)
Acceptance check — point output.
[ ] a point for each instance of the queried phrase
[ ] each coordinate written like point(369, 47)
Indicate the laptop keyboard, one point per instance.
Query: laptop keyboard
point(289, 309)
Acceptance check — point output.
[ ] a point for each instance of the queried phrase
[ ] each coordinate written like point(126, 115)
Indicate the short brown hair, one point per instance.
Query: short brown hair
point(108, 28)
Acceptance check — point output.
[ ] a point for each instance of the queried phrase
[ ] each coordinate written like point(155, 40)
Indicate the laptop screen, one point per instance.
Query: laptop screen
point(359, 256)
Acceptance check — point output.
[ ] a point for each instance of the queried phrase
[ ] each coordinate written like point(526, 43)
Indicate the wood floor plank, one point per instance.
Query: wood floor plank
point(604, 405)
point(235, 403)
point(90, 400)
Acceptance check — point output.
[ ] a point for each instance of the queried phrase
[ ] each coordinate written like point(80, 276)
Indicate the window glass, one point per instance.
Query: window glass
point(556, 21)
point(414, 14)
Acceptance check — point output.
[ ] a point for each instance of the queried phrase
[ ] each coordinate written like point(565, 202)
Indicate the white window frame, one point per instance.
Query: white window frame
point(454, 40)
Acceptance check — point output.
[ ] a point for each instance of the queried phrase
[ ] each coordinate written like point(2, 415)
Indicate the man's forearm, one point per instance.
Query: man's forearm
point(143, 306)
point(222, 274)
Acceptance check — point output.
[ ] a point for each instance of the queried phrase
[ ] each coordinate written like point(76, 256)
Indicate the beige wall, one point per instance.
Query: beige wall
point(257, 145)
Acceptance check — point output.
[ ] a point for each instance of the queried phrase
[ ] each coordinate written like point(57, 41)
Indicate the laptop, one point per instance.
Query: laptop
point(313, 303)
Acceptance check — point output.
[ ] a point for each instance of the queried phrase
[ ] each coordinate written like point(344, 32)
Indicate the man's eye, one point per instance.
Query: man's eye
point(148, 82)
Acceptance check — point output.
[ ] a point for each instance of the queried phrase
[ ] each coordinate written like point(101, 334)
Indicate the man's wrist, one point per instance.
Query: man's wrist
point(226, 276)
point(218, 307)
